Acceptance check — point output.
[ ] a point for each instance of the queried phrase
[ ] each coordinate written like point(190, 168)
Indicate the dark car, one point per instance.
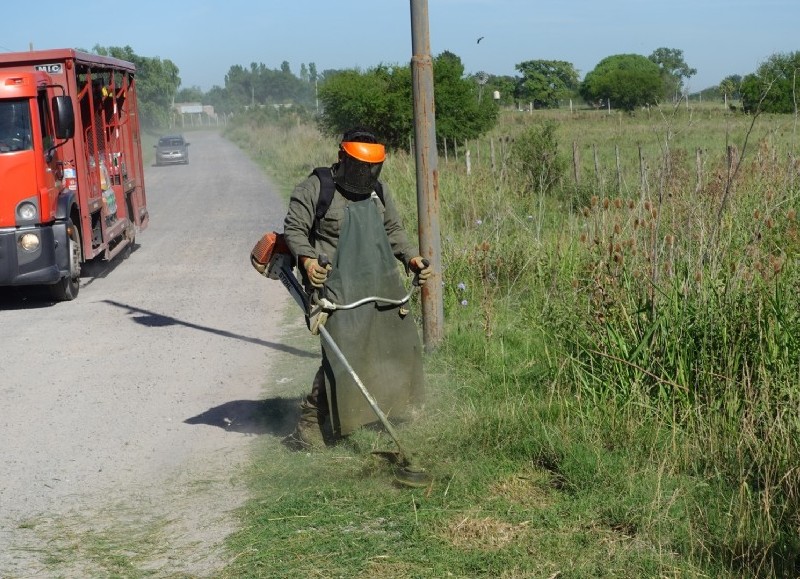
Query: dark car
point(172, 149)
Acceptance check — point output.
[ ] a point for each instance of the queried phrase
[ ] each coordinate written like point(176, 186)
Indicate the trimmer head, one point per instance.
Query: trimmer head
point(412, 476)
point(406, 472)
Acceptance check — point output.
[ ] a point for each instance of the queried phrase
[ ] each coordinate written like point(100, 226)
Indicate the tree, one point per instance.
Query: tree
point(546, 82)
point(157, 82)
point(626, 80)
point(729, 87)
point(673, 70)
point(219, 98)
point(238, 84)
point(506, 85)
point(460, 113)
point(261, 85)
point(381, 98)
point(192, 94)
point(775, 86)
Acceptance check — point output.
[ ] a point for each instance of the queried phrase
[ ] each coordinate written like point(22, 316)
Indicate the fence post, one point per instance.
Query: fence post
point(698, 163)
point(576, 162)
point(596, 163)
point(642, 172)
point(469, 162)
point(491, 152)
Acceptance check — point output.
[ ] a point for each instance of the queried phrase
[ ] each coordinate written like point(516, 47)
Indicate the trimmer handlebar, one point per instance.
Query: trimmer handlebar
point(327, 305)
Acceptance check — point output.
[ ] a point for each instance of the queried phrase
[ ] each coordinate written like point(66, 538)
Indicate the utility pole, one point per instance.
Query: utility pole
point(427, 159)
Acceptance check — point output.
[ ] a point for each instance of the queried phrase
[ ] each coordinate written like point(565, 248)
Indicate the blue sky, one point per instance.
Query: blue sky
point(204, 38)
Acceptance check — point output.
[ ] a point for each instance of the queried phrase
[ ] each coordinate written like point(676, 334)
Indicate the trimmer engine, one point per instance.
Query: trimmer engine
point(271, 254)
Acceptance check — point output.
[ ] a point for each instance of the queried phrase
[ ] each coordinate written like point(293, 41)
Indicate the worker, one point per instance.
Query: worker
point(363, 238)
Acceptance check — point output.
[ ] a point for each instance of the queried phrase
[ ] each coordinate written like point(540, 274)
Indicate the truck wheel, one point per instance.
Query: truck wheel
point(66, 288)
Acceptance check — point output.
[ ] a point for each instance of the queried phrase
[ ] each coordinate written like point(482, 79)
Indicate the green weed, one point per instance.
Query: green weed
point(616, 394)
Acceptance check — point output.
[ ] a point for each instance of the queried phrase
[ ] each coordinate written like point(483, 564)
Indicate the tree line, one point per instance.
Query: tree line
point(466, 104)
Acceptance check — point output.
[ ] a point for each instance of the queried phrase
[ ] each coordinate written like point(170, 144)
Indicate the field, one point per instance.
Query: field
point(617, 392)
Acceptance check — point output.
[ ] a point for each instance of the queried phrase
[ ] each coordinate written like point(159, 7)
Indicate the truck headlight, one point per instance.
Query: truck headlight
point(26, 211)
point(29, 241)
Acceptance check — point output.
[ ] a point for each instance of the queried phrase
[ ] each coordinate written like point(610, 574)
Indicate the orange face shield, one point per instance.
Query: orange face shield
point(366, 152)
point(359, 166)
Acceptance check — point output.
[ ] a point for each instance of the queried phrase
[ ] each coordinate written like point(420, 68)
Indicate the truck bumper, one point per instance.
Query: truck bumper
point(20, 267)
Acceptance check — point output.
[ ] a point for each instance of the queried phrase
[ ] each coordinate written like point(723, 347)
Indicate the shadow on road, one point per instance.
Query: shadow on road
point(24, 298)
point(276, 416)
point(156, 320)
point(32, 297)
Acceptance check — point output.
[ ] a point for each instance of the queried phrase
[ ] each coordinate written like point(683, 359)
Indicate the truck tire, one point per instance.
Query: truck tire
point(66, 289)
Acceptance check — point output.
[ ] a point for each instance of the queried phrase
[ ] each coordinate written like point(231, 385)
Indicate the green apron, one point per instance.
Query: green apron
point(381, 345)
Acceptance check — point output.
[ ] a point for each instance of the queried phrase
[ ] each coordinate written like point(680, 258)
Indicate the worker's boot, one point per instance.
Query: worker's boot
point(308, 434)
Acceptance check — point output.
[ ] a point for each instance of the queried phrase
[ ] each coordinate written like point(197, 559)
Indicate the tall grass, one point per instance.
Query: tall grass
point(640, 344)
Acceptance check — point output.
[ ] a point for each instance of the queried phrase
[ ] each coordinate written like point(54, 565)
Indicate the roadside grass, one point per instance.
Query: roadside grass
point(616, 395)
point(338, 513)
point(79, 545)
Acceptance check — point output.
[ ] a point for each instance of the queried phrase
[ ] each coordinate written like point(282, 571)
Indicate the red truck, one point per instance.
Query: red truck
point(71, 172)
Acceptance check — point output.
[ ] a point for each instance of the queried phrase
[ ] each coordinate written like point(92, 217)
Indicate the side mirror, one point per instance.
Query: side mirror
point(64, 117)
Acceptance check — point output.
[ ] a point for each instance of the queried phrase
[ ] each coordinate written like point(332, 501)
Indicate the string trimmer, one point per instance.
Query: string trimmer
point(272, 257)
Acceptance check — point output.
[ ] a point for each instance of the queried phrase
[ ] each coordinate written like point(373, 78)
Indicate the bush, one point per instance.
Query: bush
point(536, 159)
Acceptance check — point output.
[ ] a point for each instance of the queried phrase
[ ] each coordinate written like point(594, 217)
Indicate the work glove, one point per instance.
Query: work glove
point(422, 267)
point(317, 275)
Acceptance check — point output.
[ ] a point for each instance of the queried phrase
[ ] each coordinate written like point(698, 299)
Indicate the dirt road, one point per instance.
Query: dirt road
point(124, 409)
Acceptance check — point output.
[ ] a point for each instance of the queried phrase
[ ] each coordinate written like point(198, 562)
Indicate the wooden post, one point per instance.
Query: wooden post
point(445, 149)
point(469, 162)
point(576, 163)
point(427, 173)
point(698, 164)
point(596, 163)
point(642, 172)
point(491, 151)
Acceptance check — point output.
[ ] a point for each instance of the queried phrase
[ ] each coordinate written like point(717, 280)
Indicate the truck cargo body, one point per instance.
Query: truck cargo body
point(71, 171)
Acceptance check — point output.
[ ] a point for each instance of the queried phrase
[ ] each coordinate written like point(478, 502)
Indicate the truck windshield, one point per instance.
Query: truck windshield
point(15, 126)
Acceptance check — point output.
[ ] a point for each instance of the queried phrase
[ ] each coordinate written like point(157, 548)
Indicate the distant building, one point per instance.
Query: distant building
point(194, 114)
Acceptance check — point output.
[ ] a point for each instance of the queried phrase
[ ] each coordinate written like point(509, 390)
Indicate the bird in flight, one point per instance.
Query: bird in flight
point(479, 40)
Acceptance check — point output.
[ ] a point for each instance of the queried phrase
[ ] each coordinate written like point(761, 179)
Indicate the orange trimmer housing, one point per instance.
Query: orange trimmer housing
point(269, 244)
